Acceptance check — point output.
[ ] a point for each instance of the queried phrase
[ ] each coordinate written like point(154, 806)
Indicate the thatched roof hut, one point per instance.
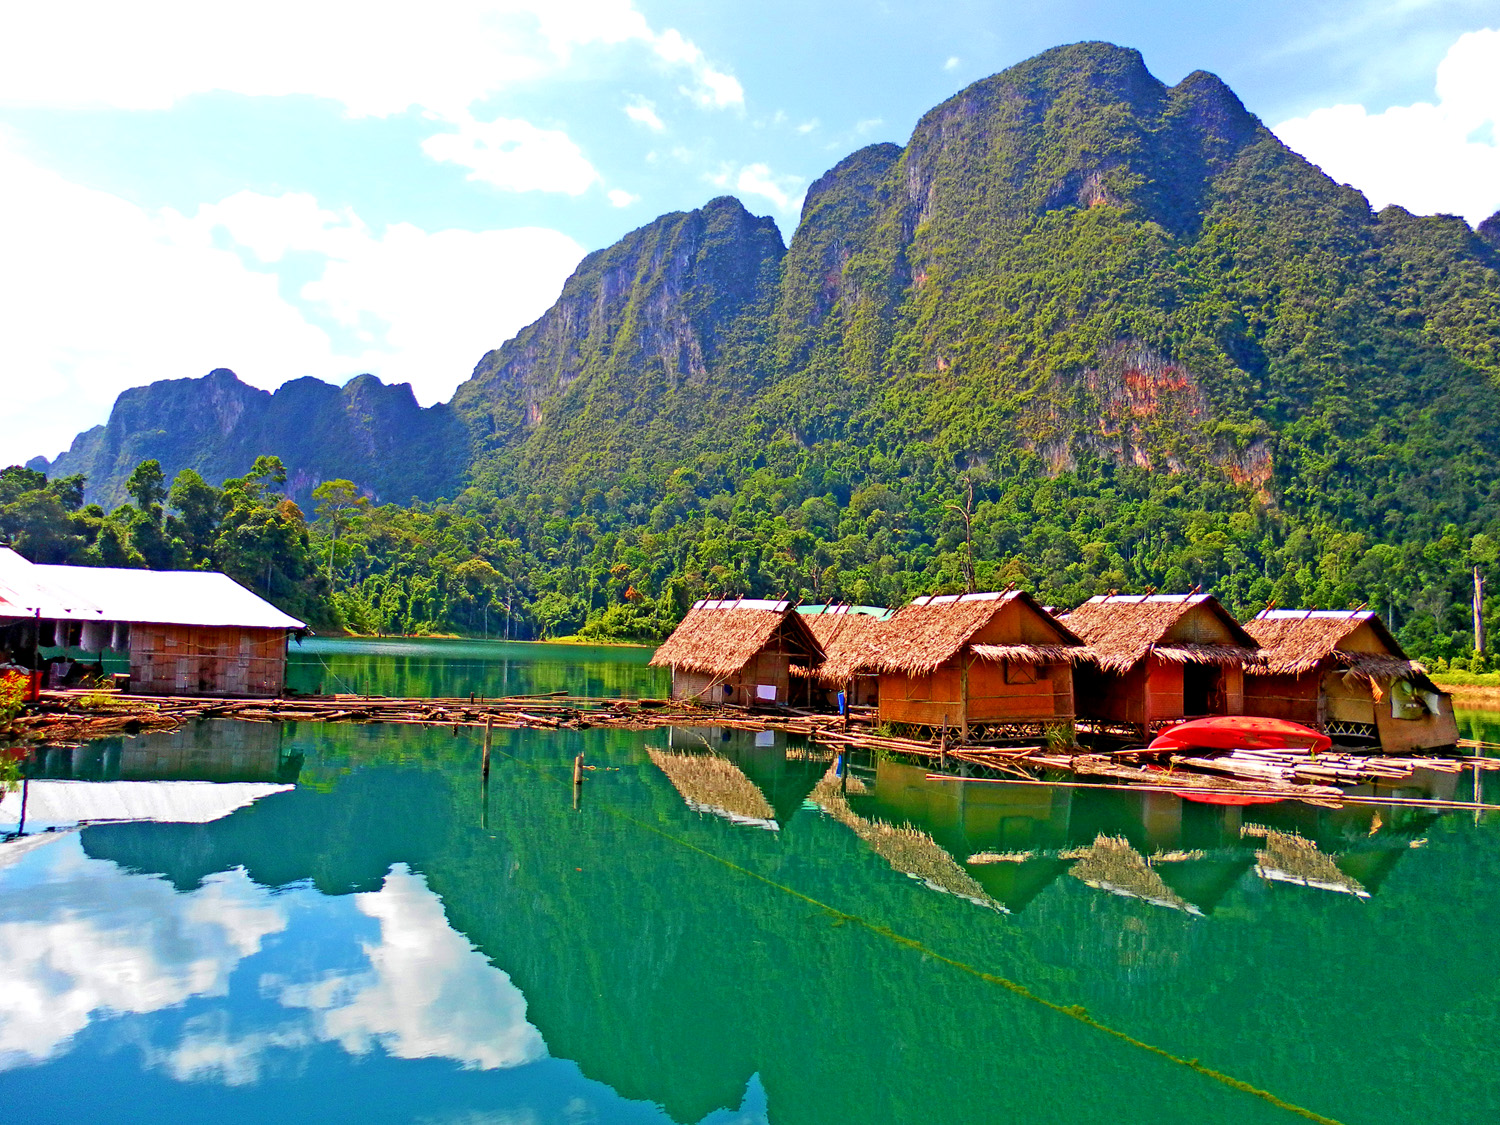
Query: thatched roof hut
point(1342, 672)
point(1122, 629)
point(998, 660)
point(1156, 659)
point(845, 632)
point(743, 647)
point(931, 631)
point(1299, 640)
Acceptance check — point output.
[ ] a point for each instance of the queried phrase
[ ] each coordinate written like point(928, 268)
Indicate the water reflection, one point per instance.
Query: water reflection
point(419, 667)
point(359, 947)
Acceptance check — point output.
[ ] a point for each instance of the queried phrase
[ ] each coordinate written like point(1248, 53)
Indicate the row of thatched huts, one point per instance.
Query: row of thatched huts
point(1000, 665)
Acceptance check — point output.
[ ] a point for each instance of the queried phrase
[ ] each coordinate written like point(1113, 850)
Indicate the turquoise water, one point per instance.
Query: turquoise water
point(413, 667)
point(741, 935)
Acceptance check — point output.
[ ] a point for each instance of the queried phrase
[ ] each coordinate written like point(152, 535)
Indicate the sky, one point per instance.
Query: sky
point(330, 187)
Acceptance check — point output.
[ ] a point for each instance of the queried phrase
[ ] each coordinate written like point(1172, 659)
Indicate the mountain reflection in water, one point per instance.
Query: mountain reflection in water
point(358, 947)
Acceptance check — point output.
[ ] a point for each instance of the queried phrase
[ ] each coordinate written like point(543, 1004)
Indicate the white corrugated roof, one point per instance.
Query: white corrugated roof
point(23, 593)
point(1151, 599)
point(60, 803)
point(155, 597)
point(170, 597)
point(741, 603)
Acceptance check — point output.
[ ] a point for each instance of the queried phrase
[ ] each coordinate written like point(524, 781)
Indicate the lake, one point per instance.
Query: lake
point(343, 923)
point(419, 666)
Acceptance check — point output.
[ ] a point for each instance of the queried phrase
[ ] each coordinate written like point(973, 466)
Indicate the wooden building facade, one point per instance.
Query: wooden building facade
point(740, 651)
point(185, 632)
point(1156, 659)
point(1343, 673)
point(983, 665)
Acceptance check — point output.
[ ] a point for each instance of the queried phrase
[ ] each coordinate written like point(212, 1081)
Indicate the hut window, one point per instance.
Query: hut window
point(1406, 701)
point(1018, 673)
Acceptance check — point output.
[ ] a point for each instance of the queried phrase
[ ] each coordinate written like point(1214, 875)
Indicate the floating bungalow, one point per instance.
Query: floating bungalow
point(1156, 659)
point(1343, 673)
point(844, 631)
point(189, 632)
point(739, 650)
point(994, 664)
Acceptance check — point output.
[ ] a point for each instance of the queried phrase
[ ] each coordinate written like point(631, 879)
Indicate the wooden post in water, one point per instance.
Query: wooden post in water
point(578, 771)
point(963, 675)
point(489, 730)
point(1479, 612)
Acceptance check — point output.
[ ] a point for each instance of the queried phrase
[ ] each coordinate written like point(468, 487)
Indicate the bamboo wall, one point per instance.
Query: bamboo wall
point(190, 660)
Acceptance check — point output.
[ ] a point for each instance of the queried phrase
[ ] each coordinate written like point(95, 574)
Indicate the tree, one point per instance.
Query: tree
point(147, 485)
point(199, 508)
point(337, 498)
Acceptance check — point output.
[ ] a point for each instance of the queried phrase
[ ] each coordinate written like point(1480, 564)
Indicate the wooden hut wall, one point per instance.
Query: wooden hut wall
point(765, 667)
point(1399, 736)
point(1294, 698)
point(192, 660)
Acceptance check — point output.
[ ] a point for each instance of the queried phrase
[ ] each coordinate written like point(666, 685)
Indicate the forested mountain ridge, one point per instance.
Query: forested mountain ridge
point(1069, 262)
point(1084, 332)
point(366, 431)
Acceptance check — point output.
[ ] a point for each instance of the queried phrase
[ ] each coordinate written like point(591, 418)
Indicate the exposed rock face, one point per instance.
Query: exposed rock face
point(651, 338)
point(366, 431)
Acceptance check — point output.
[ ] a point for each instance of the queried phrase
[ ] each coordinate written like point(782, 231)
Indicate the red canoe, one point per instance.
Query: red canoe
point(1240, 732)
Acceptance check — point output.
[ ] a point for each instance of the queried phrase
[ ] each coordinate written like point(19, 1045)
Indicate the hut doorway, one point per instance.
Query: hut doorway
point(1202, 689)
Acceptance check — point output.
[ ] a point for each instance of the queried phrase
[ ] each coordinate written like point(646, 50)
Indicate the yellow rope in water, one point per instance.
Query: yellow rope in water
point(1073, 1011)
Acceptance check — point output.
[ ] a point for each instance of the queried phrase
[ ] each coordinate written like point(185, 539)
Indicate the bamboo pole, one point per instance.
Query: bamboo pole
point(1315, 798)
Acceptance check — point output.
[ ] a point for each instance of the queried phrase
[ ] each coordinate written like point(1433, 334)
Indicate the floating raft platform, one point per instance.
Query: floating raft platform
point(73, 716)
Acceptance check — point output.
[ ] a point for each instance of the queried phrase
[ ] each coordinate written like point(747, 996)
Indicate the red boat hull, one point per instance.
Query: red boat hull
point(1240, 732)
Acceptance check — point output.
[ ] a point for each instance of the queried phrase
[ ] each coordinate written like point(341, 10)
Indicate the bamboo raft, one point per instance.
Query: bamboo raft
point(71, 717)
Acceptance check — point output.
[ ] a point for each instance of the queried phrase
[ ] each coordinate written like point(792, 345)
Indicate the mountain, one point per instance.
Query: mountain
point(373, 434)
point(1069, 263)
point(663, 331)
point(1084, 331)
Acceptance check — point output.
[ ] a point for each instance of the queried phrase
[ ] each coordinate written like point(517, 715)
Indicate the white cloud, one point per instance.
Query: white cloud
point(97, 295)
point(427, 993)
point(951, 63)
point(375, 58)
point(784, 191)
point(621, 198)
point(869, 123)
point(80, 939)
point(713, 89)
point(807, 126)
point(514, 155)
point(1429, 158)
point(643, 112)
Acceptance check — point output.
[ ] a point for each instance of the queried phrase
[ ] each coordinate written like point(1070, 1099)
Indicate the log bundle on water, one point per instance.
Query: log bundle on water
point(78, 716)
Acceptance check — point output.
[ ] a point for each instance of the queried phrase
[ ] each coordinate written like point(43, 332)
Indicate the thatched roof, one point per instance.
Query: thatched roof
point(719, 637)
point(1289, 858)
point(1113, 865)
point(906, 848)
point(711, 784)
point(844, 634)
point(932, 630)
point(1299, 640)
point(1121, 629)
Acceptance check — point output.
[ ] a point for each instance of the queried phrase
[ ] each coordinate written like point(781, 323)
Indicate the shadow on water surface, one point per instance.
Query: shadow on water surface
point(360, 947)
